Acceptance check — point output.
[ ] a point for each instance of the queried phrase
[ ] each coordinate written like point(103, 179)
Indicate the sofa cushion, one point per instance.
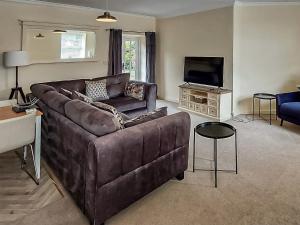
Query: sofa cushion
point(96, 121)
point(96, 90)
point(115, 84)
point(135, 90)
point(115, 90)
point(66, 92)
point(72, 85)
point(55, 100)
point(291, 109)
point(126, 103)
point(112, 110)
point(158, 113)
point(39, 89)
point(81, 97)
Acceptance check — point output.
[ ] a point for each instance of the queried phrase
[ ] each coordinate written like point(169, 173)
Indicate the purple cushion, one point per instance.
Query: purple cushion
point(39, 89)
point(123, 104)
point(115, 84)
point(96, 121)
point(291, 109)
point(55, 101)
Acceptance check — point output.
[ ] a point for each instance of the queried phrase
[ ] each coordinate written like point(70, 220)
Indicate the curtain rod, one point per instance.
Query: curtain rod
point(130, 31)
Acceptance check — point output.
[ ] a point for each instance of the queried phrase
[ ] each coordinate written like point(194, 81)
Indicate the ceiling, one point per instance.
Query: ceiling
point(158, 8)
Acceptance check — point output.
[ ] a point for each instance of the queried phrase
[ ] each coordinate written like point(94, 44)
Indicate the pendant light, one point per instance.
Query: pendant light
point(58, 31)
point(106, 17)
point(39, 36)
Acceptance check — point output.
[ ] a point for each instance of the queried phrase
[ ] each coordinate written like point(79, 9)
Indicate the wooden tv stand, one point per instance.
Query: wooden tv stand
point(212, 102)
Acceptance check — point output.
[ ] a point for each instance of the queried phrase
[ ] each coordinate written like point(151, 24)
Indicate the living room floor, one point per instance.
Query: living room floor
point(265, 191)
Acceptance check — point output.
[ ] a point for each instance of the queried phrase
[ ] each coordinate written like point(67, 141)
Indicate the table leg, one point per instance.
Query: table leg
point(259, 107)
point(276, 108)
point(236, 153)
point(194, 150)
point(216, 161)
point(253, 108)
point(37, 148)
point(270, 112)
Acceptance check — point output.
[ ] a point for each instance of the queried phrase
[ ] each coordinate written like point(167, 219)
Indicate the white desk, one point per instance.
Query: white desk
point(7, 113)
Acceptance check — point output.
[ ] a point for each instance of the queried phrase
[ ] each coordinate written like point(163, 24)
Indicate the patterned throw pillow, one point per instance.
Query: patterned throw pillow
point(66, 92)
point(82, 97)
point(112, 110)
point(158, 113)
point(135, 90)
point(96, 90)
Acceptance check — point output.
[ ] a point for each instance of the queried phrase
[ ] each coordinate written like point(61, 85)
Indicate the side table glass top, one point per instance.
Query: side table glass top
point(216, 130)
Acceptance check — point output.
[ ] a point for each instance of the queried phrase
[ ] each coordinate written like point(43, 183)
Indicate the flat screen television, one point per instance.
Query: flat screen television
point(204, 70)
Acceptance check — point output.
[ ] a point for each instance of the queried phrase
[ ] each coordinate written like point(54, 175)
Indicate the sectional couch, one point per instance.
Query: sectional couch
point(105, 169)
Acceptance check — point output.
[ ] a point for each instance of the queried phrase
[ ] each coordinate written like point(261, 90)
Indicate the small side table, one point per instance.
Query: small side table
point(263, 96)
point(215, 130)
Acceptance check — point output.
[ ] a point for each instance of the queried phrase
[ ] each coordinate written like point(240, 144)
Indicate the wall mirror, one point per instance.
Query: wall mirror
point(53, 45)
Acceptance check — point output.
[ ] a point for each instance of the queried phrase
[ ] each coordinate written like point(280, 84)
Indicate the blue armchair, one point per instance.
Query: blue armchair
point(288, 107)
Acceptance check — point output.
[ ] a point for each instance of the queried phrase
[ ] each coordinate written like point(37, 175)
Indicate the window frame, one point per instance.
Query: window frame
point(137, 38)
point(83, 42)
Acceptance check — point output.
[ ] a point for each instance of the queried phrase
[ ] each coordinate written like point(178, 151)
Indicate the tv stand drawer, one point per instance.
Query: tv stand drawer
point(212, 111)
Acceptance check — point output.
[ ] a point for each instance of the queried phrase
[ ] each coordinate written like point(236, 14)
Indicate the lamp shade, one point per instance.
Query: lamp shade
point(16, 58)
point(106, 18)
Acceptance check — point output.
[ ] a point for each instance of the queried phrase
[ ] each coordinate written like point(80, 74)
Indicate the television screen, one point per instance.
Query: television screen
point(204, 70)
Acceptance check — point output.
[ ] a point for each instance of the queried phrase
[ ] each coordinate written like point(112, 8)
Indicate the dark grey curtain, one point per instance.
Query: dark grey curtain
point(115, 52)
point(150, 56)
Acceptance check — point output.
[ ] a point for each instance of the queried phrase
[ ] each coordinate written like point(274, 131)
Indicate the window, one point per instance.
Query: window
point(73, 45)
point(134, 56)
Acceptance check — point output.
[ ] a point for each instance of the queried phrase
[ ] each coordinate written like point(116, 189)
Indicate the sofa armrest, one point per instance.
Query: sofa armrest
point(150, 94)
point(288, 97)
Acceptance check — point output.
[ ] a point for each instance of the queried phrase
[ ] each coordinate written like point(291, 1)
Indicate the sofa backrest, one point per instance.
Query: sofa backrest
point(92, 119)
point(115, 84)
point(72, 85)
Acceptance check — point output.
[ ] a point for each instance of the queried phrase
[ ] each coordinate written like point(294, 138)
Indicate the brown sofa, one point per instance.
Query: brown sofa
point(115, 88)
point(103, 168)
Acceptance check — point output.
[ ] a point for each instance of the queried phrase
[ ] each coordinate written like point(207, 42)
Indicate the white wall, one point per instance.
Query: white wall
point(266, 51)
point(202, 34)
point(10, 39)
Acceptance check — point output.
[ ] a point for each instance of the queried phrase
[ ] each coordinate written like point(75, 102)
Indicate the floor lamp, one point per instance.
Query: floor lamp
point(16, 59)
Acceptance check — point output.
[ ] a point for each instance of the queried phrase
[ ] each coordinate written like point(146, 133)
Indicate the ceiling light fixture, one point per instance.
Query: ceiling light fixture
point(58, 31)
point(39, 36)
point(106, 17)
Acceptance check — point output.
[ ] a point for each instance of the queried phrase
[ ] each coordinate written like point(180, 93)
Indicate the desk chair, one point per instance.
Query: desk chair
point(17, 132)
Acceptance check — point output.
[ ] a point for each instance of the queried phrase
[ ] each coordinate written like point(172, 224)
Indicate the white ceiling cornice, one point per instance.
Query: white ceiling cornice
point(75, 7)
point(250, 3)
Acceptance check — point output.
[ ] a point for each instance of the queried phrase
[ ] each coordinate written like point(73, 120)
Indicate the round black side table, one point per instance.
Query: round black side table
point(263, 96)
point(216, 130)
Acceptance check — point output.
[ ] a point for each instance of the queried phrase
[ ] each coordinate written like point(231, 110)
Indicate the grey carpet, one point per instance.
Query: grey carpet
point(265, 192)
